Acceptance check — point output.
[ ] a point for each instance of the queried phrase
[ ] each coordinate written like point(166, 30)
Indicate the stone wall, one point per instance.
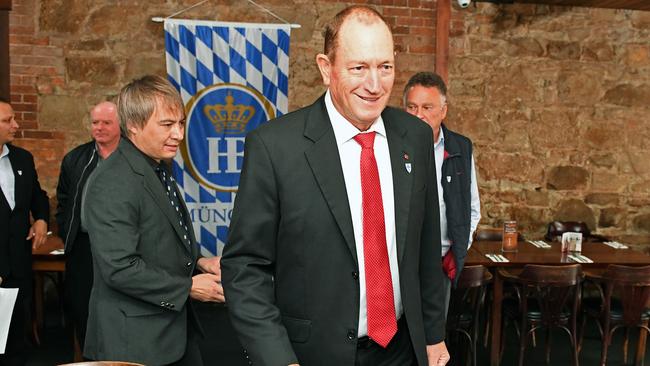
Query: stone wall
point(555, 98)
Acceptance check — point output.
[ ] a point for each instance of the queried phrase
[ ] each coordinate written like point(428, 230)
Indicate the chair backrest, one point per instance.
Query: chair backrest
point(492, 234)
point(102, 363)
point(468, 297)
point(557, 228)
point(631, 285)
point(556, 289)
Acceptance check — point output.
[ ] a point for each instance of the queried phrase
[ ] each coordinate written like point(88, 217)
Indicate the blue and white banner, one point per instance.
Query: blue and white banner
point(232, 78)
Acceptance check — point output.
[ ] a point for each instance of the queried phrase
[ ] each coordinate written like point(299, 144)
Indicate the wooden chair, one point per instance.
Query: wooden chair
point(102, 363)
point(465, 305)
point(625, 297)
point(555, 230)
point(549, 297)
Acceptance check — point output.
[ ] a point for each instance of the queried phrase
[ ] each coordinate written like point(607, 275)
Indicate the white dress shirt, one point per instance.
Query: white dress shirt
point(7, 179)
point(439, 153)
point(350, 155)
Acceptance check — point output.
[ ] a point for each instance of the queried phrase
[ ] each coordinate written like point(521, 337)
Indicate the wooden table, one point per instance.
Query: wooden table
point(43, 261)
point(601, 254)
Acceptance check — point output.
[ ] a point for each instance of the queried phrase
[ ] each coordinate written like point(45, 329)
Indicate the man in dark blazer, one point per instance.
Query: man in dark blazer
point(20, 195)
point(76, 167)
point(142, 242)
point(295, 268)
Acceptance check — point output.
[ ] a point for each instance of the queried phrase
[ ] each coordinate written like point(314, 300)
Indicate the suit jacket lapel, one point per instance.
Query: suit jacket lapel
point(400, 156)
point(323, 158)
point(154, 187)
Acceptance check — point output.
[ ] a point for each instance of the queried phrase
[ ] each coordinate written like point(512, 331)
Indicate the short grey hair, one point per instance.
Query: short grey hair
point(137, 100)
point(427, 79)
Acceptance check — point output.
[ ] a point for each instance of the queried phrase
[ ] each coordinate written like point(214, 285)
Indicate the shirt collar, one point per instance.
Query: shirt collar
point(5, 151)
point(343, 129)
point(441, 139)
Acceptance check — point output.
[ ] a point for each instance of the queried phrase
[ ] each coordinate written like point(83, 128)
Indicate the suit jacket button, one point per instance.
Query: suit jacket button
point(351, 334)
point(189, 264)
point(162, 303)
point(355, 275)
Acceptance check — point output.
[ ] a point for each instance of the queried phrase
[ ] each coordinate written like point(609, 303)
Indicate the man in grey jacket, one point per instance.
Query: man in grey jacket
point(144, 251)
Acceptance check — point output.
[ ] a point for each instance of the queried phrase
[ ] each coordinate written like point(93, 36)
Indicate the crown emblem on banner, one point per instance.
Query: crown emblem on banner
point(229, 118)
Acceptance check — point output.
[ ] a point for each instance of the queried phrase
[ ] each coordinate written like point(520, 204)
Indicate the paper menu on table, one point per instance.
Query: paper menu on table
point(7, 300)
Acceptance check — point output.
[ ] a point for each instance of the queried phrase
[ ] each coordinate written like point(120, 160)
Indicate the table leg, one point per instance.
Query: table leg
point(497, 297)
point(37, 321)
point(640, 349)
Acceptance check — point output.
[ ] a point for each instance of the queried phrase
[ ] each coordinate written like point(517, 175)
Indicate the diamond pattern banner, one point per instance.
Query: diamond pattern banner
point(232, 78)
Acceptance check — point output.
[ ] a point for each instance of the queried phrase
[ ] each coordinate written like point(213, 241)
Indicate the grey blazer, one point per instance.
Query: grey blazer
point(139, 304)
point(290, 269)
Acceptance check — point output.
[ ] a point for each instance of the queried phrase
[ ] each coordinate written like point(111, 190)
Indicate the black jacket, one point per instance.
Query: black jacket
point(75, 169)
point(456, 181)
point(15, 251)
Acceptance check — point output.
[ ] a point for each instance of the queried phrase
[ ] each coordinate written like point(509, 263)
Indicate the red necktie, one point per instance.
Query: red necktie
point(379, 285)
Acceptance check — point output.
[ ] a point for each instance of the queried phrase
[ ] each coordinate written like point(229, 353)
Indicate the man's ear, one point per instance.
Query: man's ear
point(324, 66)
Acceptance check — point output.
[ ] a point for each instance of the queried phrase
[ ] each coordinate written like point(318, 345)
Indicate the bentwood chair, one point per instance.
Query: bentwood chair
point(102, 363)
point(549, 297)
point(557, 228)
point(465, 306)
point(624, 303)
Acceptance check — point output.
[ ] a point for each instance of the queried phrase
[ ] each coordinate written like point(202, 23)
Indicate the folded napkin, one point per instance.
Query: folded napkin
point(540, 244)
point(616, 245)
point(580, 258)
point(497, 258)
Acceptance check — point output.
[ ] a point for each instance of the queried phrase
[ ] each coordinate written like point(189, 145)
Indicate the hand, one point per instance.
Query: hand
point(437, 354)
point(37, 233)
point(210, 265)
point(207, 287)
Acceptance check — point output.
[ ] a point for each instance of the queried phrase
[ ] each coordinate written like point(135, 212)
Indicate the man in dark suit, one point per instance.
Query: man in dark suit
point(330, 258)
point(142, 242)
point(75, 170)
point(21, 194)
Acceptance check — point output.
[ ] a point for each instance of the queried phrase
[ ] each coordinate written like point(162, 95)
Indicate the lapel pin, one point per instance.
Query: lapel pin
point(406, 156)
point(408, 167)
point(20, 172)
point(449, 179)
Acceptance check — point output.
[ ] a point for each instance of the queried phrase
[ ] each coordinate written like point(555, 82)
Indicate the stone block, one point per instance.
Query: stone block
point(628, 95)
point(567, 178)
point(581, 87)
point(611, 217)
point(140, 66)
point(642, 222)
point(562, 50)
point(573, 209)
point(94, 70)
point(88, 45)
point(517, 168)
point(603, 199)
point(525, 47)
point(604, 181)
point(597, 51)
point(536, 197)
point(637, 55)
point(602, 159)
point(61, 16)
